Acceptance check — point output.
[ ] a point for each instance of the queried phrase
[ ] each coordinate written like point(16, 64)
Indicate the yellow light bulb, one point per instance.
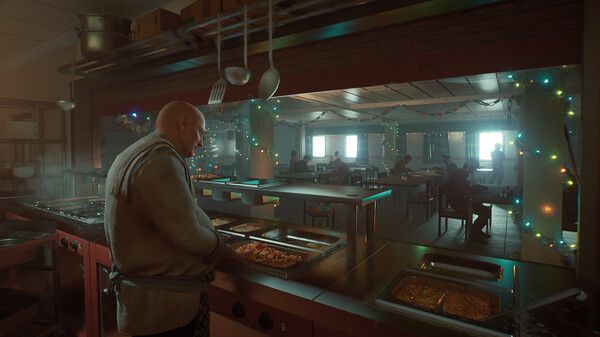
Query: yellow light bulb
point(553, 157)
point(570, 182)
point(538, 235)
point(559, 92)
point(570, 113)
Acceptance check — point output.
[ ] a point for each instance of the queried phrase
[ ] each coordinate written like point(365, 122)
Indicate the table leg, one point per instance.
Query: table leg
point(370, 223)
point(352, 224)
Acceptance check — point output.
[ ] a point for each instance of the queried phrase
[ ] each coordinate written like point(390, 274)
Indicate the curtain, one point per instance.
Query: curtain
point(434, 146)
point(472, 145)
point(307, 144)
point(362, 151)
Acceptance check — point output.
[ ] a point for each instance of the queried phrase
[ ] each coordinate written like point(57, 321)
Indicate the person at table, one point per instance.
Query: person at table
point(449, 165)
point(334, 158)
point(457, 191)
point(340, 174)
point(302, 166)
point(400, 167)
point(295, 159)
point(498, 159)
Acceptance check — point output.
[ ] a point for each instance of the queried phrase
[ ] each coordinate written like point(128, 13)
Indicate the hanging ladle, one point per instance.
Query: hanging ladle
point(269, 82)
point(239, 75)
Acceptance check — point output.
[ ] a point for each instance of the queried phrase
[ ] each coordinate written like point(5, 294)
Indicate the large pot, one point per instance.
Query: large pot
point(100, 33)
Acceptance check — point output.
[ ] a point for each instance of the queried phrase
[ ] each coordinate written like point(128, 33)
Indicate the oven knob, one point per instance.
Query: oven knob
point(64, 242)
point(238, 310)
point(265, 320)
point(74, 245)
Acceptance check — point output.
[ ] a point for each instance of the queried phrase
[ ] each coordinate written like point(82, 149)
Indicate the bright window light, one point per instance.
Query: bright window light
point(318, 146)
point(351, 146)
point(487, 144)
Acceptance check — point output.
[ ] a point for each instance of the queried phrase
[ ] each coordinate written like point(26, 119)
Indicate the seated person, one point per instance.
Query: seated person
point(293, 161)
point(333, 158)
point(449, 165)
point(302, 166)
point(340, 174)
point(400, 167)
point(457, 190)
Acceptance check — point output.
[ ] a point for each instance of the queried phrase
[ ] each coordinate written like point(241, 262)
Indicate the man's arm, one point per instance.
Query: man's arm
point(161, 186)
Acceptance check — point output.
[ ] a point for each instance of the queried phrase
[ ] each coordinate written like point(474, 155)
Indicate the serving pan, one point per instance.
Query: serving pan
point(448, 303)
point(307, 259)
point(300, 238)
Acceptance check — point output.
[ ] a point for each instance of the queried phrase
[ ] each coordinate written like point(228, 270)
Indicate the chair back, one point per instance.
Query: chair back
point(382, 174)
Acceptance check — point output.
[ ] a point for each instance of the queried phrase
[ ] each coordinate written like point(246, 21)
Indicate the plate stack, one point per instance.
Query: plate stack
point(20, 130)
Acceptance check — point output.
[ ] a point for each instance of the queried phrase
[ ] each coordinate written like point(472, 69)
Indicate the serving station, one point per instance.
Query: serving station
point(303, 281)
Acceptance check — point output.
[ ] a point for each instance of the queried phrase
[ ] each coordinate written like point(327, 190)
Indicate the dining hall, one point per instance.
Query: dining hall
point(299, 168)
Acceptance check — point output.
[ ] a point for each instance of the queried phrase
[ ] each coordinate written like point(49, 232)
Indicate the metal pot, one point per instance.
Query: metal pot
point(100, 33)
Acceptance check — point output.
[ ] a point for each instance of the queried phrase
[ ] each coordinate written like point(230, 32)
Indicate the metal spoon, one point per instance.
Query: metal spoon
point(218, 90)
point(269, 82)
point(239, 75)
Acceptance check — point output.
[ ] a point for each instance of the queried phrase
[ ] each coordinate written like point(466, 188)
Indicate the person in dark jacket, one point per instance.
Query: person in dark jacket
point(457, 191)
point(400, 167)
point(302, 166)
point(295, 159)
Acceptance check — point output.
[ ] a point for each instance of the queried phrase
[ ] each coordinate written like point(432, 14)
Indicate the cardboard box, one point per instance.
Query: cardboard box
point(199, 10)
point(154, 23)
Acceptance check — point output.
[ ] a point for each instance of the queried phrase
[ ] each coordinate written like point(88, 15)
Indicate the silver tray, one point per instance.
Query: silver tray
point(438, 313)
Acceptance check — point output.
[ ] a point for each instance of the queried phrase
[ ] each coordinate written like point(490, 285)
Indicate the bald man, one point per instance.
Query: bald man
point(164, 247)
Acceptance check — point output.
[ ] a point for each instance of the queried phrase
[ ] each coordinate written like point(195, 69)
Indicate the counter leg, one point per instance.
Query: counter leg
point(352, 223)
point(370, 222)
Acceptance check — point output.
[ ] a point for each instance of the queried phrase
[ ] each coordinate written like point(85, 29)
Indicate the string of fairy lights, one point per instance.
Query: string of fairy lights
point(207, 159)
point(566, 250)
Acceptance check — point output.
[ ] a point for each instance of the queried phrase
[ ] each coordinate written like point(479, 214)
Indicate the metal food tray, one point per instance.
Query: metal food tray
point(472, 270)
point(227, 229)
point(309, 239)
point(308, 258)
point(501, 326)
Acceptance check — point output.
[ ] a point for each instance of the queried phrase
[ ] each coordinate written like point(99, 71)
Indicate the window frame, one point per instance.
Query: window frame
point(346, 147)
point(314, 147)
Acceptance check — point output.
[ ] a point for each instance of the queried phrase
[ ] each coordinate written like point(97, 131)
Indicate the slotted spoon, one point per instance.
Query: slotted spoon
point(218, 89)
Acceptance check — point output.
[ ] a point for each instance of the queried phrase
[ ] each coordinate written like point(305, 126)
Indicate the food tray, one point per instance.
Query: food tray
point(461, 267)
point(241, 229)
point(222, 221)
point(308, 258)
point(308, 239)
point(442, 300)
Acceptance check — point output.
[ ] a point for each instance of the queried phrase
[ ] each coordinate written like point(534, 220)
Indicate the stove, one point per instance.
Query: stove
point(88, 210)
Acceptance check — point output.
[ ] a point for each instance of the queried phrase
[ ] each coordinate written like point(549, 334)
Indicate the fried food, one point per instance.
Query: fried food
point(207, 176)
point(221, 221)
point(468, 306)
point(246, 227)
point(420, 295)
point(264, 254)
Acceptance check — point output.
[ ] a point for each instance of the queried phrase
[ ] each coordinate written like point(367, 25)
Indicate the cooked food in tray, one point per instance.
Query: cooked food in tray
point(468, 306)
point(206, 176)
point(431, 294)
point(246, 227)
point(264, 254)
point(221, 221)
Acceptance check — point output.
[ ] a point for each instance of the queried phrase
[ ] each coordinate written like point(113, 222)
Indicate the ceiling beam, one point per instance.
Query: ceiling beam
point(428, 101)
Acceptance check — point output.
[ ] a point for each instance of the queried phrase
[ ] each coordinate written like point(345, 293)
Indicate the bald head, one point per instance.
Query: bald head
point(183, 125)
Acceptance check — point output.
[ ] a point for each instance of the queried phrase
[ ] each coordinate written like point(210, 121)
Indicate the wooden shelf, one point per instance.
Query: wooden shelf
point(200, 35)
point(29, 141)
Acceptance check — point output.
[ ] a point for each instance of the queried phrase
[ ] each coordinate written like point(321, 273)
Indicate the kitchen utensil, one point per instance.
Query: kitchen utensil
point(218, 90)
point(239, 75)
point(67, 105)
point(100, 33)
point(269, 82)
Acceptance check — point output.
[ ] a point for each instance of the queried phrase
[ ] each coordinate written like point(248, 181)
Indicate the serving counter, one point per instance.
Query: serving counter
point(338, 295)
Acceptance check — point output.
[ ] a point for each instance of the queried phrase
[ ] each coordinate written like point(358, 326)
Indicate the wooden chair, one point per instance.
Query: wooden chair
point(315, 212)
point(446, 212)
point(357, 177)
point(426, 198)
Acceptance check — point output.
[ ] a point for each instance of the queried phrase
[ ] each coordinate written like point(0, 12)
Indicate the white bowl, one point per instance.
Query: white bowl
point(23, 172)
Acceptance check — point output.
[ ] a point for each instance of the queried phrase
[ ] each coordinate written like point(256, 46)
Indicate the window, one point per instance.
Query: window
point(487, 144)
point(351, 146)
point(318, 146)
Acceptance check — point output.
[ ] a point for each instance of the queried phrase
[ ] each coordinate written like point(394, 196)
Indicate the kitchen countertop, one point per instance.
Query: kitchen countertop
point(338, 291)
